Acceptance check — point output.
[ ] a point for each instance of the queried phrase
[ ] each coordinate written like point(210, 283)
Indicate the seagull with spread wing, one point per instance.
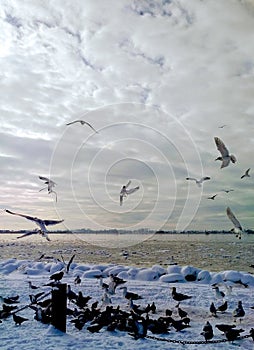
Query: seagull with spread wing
point(125, 191)
point(199, 182)
point(246, 174)
point(41, 223)
point(50, 184)
point(237, 226)
point(225, 156)
point(83, 122)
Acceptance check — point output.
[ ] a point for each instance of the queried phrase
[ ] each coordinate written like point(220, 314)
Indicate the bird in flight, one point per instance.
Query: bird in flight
point(199, 182)
point(213, 197)
point(125, 191)
point(83, 122)
point(222, 126)
point(227, 191)
point(225, 156)
point(41, 223)
point(237, 225)
point(50, 184)
point(246, 174)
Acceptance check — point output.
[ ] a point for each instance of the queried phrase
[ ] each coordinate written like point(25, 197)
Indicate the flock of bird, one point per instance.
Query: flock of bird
point(225, 158)
point(125, 191)
point(82, 311)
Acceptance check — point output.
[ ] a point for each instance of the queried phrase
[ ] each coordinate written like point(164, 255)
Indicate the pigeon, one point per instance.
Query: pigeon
point(213, 310)
point(83, 122)
point(179, 296)
point(238, 312)
point(223, 307)
point(237, 225)
point(125, 192)
point(225, 156)
point(199, 182)
point(207, 331)
point(225, 327)
point(130, 295)
point(246, 174)
point(57, 276)
point(50, 184)
point(41, 223)
point(18, 319)
point(232, 334)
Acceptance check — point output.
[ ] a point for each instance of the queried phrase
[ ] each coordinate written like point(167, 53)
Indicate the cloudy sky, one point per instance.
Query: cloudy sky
point(157, 79)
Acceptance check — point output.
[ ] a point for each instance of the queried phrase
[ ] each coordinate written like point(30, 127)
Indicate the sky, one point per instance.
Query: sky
point(157, 80)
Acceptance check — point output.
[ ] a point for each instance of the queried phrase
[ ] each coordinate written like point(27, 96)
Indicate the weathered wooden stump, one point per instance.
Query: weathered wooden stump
point(59, 307)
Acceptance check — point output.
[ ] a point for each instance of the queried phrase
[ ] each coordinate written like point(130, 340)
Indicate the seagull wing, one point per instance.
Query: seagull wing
point(75, 121)
point(132, 190)
point(52, 222)
point(247, 171)
point(91, 127)
point(22, 215)
point(191, 178)
point(128, 184)
point(225, 163)
point(205, 178)
point(232, 217)
point(28, 234)
point(44, 178)
point(221, 147)
point(121, 199)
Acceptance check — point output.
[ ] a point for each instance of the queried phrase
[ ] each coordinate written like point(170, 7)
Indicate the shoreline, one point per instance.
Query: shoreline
point(213, 255)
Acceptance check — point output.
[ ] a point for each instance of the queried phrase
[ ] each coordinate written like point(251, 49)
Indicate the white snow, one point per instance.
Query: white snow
point(154, 284)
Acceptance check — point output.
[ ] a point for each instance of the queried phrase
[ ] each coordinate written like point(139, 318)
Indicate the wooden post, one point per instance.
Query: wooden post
point(59, 307)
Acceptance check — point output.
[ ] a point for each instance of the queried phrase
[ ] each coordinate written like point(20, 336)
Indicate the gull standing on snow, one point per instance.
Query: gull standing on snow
point(199, 182)
point(237, 225)
point(50, 184)
point(225, 156)
point(41, 223)
point(83, 122)
point(125, 192)
point(246, 174)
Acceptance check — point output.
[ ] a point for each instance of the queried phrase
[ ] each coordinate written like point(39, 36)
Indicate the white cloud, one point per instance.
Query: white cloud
point(156, 78)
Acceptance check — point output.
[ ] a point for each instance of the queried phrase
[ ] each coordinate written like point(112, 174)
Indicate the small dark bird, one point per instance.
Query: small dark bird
point(8, 308)
point(213, 310)
point(179, 296)
point(77, 280)
point(32, 286)
point(18, 319)
point(130, 295)
point(207, 331)
point(212, 197)
point(246, 174)
point(179, 324)
point(139, 328)
point(57, 276)
point(153, 308)
point(225, 327)
point(181, 312)
point(168, 312)
point(10, 300)
point(95, 328)
point(239, 312)
point(223, 307)
point(252, 333)
point(232, 334)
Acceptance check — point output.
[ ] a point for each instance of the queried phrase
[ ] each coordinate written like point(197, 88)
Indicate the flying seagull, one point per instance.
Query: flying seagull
point(227, 191)
point(225, 156)
point(125, 192)
point(199, 182)
point(246, 174)
point(50, 184)
point(41, 223)
point(213, 197)
point(222, 126)
point(237, 225)
point(83, 122)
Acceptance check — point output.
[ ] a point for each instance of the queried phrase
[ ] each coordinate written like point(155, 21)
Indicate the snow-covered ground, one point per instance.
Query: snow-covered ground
point(154, 284)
